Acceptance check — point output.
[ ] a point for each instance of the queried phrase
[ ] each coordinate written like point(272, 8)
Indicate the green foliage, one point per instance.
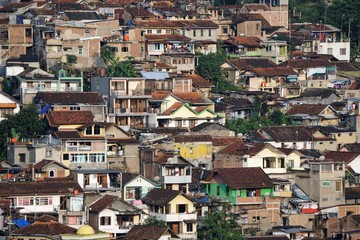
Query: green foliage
point(6, 85)
point(154, 221)
point(117, 68)
point(107, 53)
point(25, 124)
point(70, 61)
point(259, 116)
point(221, 225)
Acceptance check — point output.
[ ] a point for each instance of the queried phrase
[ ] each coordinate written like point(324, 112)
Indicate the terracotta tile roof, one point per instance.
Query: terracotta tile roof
point(163, 65)
point(190, 97)
point(318, 92)
point(200, 174)
point(249, 64)
point(289, 133)
point(43, 11)
point(123, 2)
point(272, 72)
point(138, 232)
point(311, 109)
point(159, 95)
point(306, 63)
point(102, 203)
point(245, 41)
point(257, 7)
point(48, 187)
point(199, 81)
point(13, 7)
point(225, 141)
point(51, 228)
point(183, 138)
point(352, 147)
point(206, 126)
point(354, 86)
point(162, 157)
point(345, 67)
point(43, 163)
point(91, 98)
point(249, 177)
point(335, 156)
point(313, 27)
point(160, 197)
point(172, 108)
point(57, 118)
point(244, 148)
point(199, 109)
point(179, 24)
point(68, 134)
point(139, 12)
point(71, 6)
point(166, 38)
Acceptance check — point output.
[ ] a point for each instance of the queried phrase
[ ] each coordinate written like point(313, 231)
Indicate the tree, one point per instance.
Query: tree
point(154, 221)
point(25, 125)
point(119, 68)
point(220, 225)
point(70, 61)
point(107, 53)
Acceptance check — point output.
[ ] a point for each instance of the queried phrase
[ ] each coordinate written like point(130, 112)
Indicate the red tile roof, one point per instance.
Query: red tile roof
point(275, 71)
point(241, 178)
point(172, 108)
point(190, 97)
point(57, 118)
point(159, 95)
point(166, 38)
point(138, 232)
point(334, 156)
point(184, 138)
point(199, 81)
point(245, 41)
point(311, 109)
point(244, 148)
point(179, 24)
point(102, 203)
point(41, 228)
point(224, 141)
point(306, 63)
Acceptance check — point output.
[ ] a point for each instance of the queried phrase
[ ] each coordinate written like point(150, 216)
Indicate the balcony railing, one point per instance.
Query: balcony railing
point(282, 194)
point(130, 110)
point(177, 179)
point(176, 217)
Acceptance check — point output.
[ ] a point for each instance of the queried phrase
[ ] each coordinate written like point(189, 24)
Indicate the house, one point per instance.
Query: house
point(342, 135)
point(174, 208)
point(150, 232)
point(72, 101)
point(127, 100)
point(48, 169)
point(324, 182)
point(250, 190)
point(232, 108)
point(45, 227)
point(135, 186)
point(173, 49)
point(249, 24)
point(201, 85)
point(243, 47)
point(98, 180)
point(296, 137)
point(312, 73)
point(276, 50)
point(292, 232)
point(313, 115)
point(8, 105)
point(319, 96)
point(350, 147)
point(122, 149)
point(42, 197)
point(113, 215)
point(351, 159)
point(352, 195)
point(179, 109)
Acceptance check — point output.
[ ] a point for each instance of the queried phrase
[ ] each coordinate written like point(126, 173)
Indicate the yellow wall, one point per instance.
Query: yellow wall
point(199, 150)
point(181, 200)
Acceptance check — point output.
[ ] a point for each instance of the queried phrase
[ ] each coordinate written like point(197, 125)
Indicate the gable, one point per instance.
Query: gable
point(115, 132)
point(139, 181)
point(180, 199)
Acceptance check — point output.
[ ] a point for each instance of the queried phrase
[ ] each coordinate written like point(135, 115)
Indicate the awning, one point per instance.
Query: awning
point(20, 222)
point(45, 109)
point(8, 105)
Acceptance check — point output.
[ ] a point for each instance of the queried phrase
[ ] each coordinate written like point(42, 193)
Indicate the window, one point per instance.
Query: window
point(350, 134)
point(48, 152)
point(330, 51)
point(257, 26)
point(326, 168)
point(157, 46)
point(80, 50)
point(52, 173)
point(194, 33)
point(218, 190)
point(22, 157)
point(66, 156)
point(251, 49)
point(326, 183)
point(202, 32)
point(181, 208)
point(342, 51)
point(178, 123)
point(105, 221)
point(28, 32)
point(227, 191)
point(88, 131)
point(338, 167)
point(4, 34)
point(324, 199)
point(149, 31)
point(209, 32)
point(142, 33)
point(256, 219)
point(124, 49)
point(158, 31)
point(96, 130)
point(189, 227)
point(338, 186)
point(191, 150)
point(224, 30)
point(142, 49)
point(74, 108)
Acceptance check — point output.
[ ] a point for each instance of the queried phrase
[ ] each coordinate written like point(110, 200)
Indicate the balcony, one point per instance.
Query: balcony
point(175, 217)
point(177, 179)
point(131, 111)
point(249, 200)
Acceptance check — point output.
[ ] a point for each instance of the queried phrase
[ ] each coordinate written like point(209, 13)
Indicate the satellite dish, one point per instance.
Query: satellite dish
point(240, 135)
point(321, 158)
point(156, 178)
